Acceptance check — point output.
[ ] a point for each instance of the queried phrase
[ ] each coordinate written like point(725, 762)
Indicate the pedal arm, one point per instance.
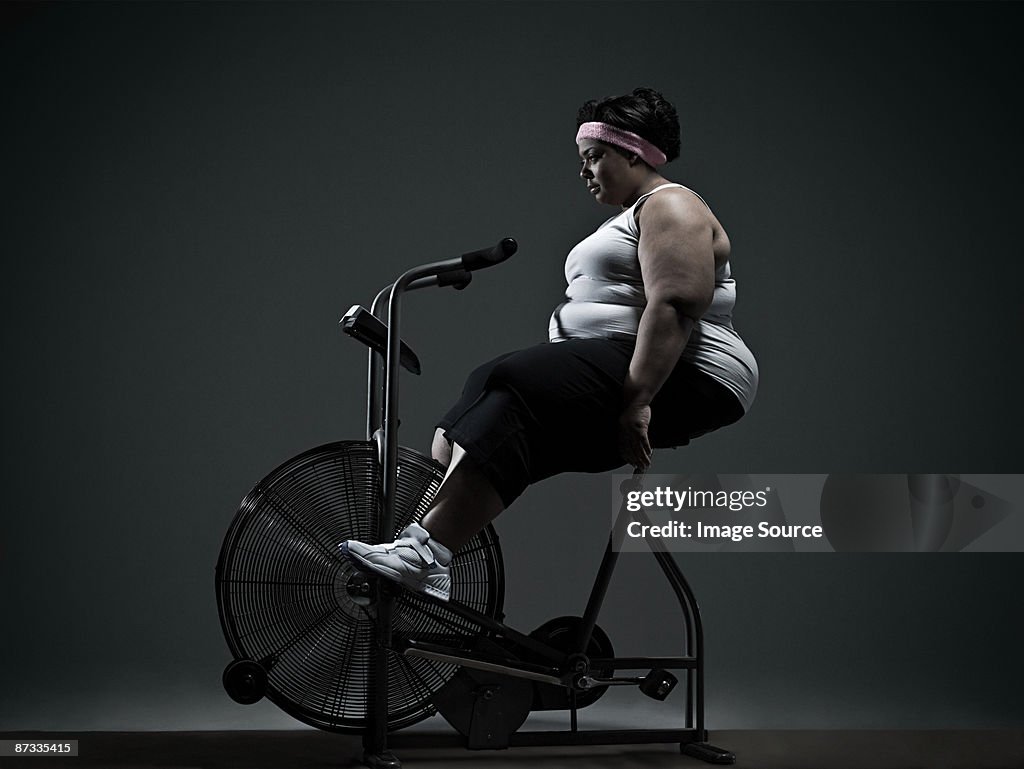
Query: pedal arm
point(588, 682)
point(465, 659)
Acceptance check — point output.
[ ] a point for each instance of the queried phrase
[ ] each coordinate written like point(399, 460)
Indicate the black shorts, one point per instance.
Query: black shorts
point(554, 408)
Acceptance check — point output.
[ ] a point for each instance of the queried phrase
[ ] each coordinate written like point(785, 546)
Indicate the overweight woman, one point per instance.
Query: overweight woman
point(642, 353)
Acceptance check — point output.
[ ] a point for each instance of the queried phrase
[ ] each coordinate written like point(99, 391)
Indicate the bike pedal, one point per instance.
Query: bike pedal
point(658, 684)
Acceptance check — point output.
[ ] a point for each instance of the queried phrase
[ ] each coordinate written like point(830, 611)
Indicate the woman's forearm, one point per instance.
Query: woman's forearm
point(661, 337)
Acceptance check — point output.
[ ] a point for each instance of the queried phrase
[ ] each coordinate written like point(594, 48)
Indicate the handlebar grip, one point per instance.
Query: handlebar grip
point(458, 279)
point(485, 257)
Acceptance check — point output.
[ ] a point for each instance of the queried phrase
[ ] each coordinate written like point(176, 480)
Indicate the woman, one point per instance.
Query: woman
point(641, 354)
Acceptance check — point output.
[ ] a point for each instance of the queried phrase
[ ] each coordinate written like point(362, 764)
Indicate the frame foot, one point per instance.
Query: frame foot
point(708, 753)
point(383, 760)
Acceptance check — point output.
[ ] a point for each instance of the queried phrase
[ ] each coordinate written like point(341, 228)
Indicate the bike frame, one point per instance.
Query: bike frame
point(382, 426)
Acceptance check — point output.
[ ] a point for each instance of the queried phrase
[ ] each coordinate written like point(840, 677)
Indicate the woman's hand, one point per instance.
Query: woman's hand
point(634, 445)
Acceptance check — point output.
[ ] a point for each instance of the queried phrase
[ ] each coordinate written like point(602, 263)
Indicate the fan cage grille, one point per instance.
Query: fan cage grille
point(281, 587)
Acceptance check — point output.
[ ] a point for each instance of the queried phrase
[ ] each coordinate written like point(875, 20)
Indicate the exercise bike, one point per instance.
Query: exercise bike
point(348, 652)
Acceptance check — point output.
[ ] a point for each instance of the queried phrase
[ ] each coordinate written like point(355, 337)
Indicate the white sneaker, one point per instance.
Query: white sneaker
point(414, 560)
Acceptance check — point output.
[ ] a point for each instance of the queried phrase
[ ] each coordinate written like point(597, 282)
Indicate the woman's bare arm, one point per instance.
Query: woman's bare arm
point(678, 267)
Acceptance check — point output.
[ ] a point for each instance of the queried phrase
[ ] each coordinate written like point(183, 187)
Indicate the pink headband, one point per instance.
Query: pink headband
point(624, 139)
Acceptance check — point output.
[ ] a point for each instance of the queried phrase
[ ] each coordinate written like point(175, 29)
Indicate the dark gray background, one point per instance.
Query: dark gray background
point(193, 194)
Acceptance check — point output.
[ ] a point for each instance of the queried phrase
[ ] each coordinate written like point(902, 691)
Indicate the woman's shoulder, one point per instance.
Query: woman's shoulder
point(674, 202)
point(671, 205)
point(677, 194)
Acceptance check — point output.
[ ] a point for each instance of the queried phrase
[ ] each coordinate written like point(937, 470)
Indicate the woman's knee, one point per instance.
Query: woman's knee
point(515, 376)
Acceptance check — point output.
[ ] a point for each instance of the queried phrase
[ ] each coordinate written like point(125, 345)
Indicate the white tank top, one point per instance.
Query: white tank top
point(605, 299)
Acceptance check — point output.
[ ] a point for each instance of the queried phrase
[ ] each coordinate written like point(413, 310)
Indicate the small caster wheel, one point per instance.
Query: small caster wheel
point(245, 681)
point(658, 684)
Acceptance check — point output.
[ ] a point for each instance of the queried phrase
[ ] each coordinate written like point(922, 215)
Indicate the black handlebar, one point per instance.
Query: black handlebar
point(485, 257)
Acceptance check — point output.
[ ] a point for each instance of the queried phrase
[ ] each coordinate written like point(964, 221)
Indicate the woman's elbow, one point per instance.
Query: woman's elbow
point(689, 304)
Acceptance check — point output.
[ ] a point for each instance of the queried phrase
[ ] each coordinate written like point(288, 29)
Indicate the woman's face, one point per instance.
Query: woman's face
point(607, 173)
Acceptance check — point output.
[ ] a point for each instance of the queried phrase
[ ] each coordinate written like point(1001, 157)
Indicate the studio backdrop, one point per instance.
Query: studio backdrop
point(195, 193)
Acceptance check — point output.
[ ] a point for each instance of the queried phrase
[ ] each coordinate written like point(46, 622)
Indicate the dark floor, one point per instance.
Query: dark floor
point(311, 749)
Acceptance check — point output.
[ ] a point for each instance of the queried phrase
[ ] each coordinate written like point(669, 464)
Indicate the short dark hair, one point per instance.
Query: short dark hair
point(644, 112)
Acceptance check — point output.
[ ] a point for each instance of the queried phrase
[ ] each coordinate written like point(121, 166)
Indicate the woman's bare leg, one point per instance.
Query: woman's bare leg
point(440, 449)
point(465, 503)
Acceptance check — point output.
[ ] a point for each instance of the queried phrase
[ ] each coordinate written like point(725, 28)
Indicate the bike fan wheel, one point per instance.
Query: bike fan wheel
point(282, 587)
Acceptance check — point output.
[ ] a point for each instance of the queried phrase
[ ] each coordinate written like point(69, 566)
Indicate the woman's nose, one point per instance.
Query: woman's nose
point(585, 170)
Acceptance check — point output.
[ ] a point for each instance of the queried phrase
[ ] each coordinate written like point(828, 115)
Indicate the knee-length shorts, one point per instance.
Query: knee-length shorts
point(554, 408)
